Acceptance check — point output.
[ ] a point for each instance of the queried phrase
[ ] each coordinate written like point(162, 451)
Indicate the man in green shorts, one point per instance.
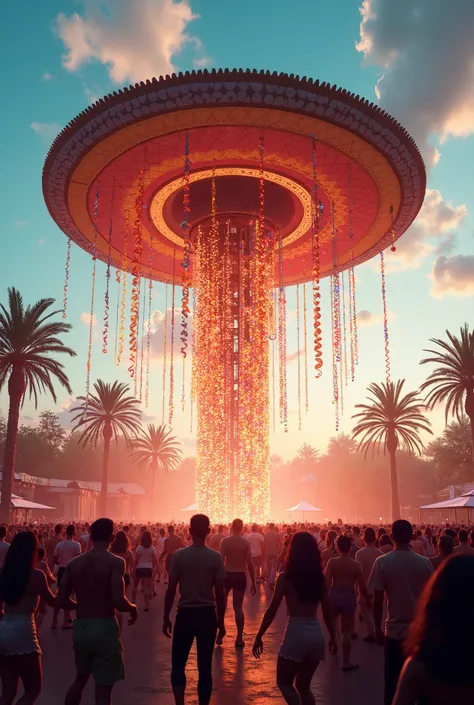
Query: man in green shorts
point(96, 577)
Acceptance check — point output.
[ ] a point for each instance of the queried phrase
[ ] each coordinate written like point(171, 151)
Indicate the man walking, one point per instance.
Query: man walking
point(199, 573)
point(236, 554)
point(257, 548)
point(64, 552)
point(96, 577)
point(172, 544)
point(401, 576)
point(272, 546)
point(366, 557)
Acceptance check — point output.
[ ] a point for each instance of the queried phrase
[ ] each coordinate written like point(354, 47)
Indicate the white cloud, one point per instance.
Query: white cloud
point(48, 131)
point(202, 63)
point(157, 332)
point(431, 233)
point(367, 318)
point(453, 276)
point(86, 319)
point(135, 40)
point(20, 223)
point(46, 76)
point(425, 50)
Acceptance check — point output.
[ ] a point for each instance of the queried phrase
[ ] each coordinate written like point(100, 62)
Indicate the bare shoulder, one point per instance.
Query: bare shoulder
point(413, 670)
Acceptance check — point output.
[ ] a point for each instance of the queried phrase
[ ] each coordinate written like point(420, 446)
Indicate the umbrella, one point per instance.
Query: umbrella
point(304, 507)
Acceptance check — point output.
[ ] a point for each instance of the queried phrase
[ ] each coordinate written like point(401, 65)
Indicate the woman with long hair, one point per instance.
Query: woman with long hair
point(145, 566)
point(21, 588)
point(440, 646)
point(121, 548)
point(330, 551)
point(303, 647)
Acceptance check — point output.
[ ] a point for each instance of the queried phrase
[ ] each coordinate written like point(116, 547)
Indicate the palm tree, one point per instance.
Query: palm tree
point(28, 339)
point(454, 377)
point(156, 449)
point(391, 417)
point(106, 414)
point(341, 445)
point(307, 454)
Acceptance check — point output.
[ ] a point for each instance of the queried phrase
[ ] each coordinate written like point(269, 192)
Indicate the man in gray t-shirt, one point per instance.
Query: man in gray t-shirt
point(400, 576)
point(199, 572)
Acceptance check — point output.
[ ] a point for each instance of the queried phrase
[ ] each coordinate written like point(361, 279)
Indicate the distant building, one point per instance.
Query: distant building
point(80, 499)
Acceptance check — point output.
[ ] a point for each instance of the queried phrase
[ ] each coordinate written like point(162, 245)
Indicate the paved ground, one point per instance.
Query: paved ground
point(238, 678)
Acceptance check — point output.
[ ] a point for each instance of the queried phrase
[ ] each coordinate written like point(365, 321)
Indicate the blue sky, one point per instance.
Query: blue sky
point(55, 63)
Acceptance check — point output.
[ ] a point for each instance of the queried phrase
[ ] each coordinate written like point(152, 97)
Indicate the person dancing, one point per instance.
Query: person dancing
point(303, 586)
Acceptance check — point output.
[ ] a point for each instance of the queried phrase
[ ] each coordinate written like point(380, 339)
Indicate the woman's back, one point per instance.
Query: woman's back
point(296, 607)
point(28, 603)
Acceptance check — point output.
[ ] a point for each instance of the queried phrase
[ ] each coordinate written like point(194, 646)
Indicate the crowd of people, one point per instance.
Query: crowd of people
point(421, 579)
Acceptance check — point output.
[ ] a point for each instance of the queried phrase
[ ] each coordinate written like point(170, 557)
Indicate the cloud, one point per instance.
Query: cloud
point(453, 276)
point(188, 443)
point(431, 233)
point(86, 319)
point(135, 40)
point(20, 223)
point(48, 131)
point(157, 332)
point(291, 357)
point(367, 318)
point(202, 63)
point(46, 76)
point(425, 51)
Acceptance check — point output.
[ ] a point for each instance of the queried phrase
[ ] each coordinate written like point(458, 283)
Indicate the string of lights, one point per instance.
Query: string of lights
point(66, 277)
point(94, 271)
point(136, 271)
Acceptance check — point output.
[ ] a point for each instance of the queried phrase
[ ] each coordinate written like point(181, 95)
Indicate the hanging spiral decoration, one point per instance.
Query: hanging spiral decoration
point(298, 351)
point(354, 340)
point(94, 270)
point(171, 393)
point(305, 335)
point(123, 301)
point(136, 271)
point(385, 318)
point(282, 338)
point(316, 213)
point(105, 331)
point(148, 327)
point(165, 337)
point(66, 277)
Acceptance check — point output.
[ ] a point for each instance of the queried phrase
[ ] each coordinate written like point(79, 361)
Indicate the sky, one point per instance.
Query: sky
point(414, 57)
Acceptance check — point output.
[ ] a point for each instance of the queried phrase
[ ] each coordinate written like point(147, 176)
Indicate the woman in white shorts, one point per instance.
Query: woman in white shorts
point(303, 586)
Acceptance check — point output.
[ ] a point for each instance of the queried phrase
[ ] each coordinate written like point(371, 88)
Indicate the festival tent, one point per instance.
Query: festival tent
point(465, 502)
point(191, 508)
point(304, 507)
point(20, 503)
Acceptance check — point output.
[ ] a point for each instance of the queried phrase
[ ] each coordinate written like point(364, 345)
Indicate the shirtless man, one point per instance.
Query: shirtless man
point(52, 543)
point(96, 577)
point(172, 544)
point(343, 575)
point(237, 557)
point(366, 557)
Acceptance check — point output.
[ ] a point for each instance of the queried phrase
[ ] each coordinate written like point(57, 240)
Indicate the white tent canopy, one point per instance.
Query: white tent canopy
point(308, 478)
point(191, 508)
point(465, 502)
point(20, 503)
point(304, 507)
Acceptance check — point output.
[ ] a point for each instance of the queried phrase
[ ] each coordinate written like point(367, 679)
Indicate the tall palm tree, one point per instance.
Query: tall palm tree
point(391, 417)
point(454, 377)
point(307, 454)
point(110, 411)
point(28, 340)
point(155, 449)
